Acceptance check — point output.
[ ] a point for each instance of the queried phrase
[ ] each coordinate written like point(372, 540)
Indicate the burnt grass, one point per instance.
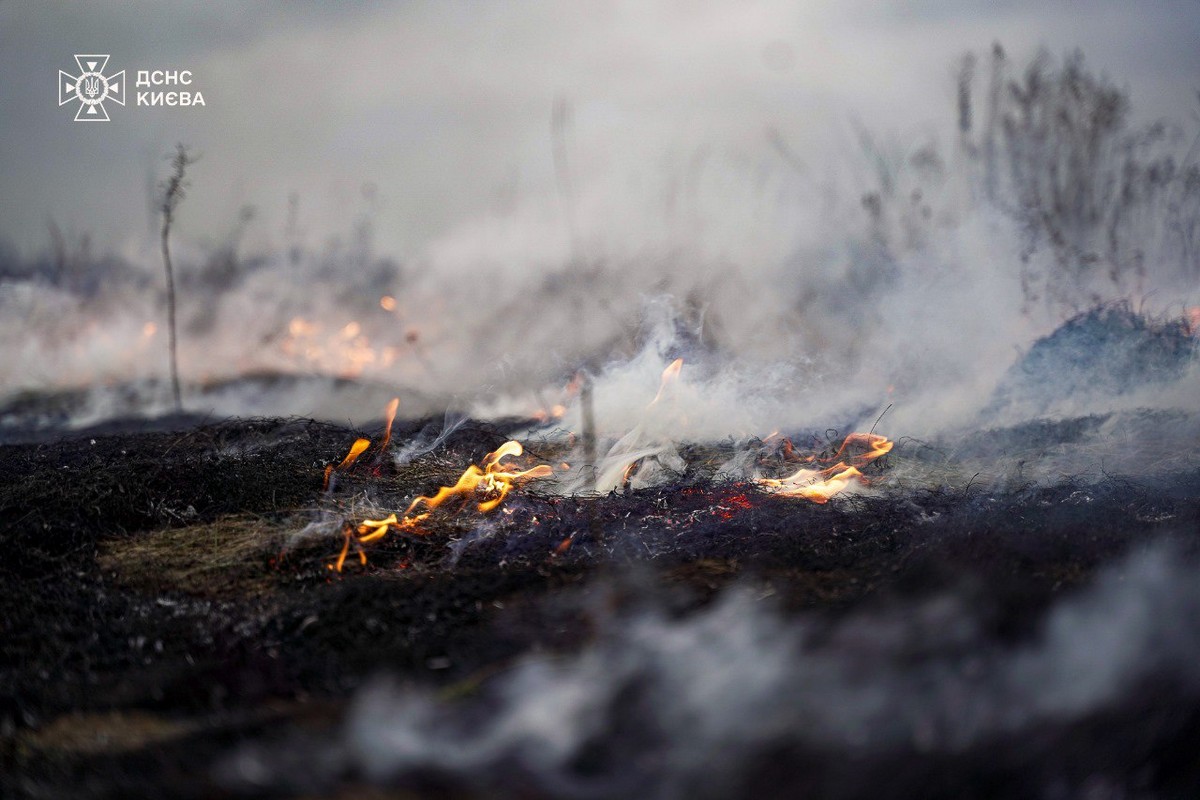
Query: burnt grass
point(159, 609)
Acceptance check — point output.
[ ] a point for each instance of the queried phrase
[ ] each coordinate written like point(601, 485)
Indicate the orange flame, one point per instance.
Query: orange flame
point(346, 351)
point(492, 483)
point(558, 409)
point(785, 448)
point(487, 485)
point(818, 485)
point(876, 446)
point(356, 450)
point(669, 376)
point(391, 417)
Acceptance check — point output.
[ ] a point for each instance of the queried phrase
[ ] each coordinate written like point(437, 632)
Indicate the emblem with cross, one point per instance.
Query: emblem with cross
point(90, 88)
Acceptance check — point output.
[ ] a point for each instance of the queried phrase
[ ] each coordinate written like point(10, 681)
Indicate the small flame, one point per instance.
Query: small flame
point(626, 456)
point(387, 303)
point(346, 351)
point(669, 376)
point(391, 417)
point(876, 446)
point(784, 447)
point(558, 409)
point(492, 483)
point(356, 450)
point(341, 559)
point(149, 329)
point(818, 485)
point(487, 485)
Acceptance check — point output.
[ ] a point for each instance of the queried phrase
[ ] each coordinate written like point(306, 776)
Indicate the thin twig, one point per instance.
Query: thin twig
point(173, 193)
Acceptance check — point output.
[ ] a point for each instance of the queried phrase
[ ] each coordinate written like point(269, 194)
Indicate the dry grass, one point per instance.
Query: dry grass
point(105, 733)
point(226, 558)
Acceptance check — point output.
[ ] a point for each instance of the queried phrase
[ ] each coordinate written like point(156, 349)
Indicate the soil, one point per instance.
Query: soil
point(167, 597)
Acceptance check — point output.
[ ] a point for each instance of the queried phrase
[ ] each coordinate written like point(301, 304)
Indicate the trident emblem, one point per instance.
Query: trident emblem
point(91, 88)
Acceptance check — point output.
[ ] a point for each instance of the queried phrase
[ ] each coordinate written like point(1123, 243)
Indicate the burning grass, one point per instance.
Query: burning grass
point(125, 610)
point(485, 487)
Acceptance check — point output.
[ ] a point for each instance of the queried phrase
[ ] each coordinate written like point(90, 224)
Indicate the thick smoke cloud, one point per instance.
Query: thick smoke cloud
point(708, 195)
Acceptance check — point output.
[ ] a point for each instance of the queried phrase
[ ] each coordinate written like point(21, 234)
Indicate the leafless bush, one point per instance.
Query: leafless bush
point(1109, 201)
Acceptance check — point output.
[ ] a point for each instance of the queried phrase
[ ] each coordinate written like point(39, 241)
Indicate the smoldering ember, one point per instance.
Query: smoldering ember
point(884, 487)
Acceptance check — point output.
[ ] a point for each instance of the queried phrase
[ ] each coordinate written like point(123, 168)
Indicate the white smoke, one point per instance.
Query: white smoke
point(797, 297)
point(684, 705)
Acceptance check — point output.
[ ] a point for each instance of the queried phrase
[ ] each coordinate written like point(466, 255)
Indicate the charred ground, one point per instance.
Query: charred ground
point(167, 599)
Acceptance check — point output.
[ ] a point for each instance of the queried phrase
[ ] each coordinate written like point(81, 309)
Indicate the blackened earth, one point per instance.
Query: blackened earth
point(166, 604)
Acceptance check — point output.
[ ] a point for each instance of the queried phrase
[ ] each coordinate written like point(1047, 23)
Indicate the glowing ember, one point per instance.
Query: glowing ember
point(627, 475)
point(485, 485)
point(345, 351)
point(558, 409)
point(299, 326)
point(818, 485)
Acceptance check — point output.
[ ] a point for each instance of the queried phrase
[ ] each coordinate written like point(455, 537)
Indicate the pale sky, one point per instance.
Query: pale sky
point(445, 106)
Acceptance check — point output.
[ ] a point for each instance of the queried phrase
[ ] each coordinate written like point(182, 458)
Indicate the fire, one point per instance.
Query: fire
point(356, 450)
point(669, 376)
point(360, 445)
point(876, 446)
point(818, 485)
point(490, 484)
point(779, 443)
point(558, 409)
point(391, 417)
point(486, 485)
point(643, 447)
point(346, 351)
